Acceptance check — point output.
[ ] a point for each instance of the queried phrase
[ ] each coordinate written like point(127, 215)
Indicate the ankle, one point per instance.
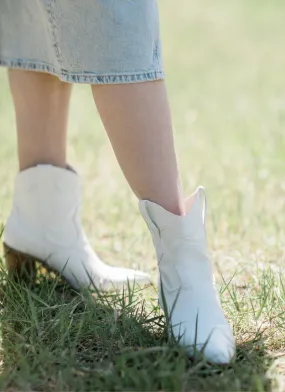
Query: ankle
point(30, 158)
point(174, 207)
point(178, 209)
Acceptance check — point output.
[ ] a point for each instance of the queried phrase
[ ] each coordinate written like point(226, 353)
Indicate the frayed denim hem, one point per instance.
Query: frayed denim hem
point(85, 77)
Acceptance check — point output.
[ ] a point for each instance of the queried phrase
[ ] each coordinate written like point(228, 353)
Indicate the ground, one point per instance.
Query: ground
point(225, 68)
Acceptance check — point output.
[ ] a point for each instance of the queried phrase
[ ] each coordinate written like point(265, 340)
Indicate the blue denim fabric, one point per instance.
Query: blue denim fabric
point(83, 41)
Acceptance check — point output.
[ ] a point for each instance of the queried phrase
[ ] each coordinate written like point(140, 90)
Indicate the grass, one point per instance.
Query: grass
point(226, 78)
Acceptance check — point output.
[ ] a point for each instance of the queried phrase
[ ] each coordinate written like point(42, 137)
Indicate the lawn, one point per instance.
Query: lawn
point(225, 67)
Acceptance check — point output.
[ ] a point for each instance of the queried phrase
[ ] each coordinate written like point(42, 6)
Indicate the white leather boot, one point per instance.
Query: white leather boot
point(186, 276)
point(45, 225)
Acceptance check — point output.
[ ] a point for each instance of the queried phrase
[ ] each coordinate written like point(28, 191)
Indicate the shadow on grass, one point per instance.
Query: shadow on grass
point(54, 338)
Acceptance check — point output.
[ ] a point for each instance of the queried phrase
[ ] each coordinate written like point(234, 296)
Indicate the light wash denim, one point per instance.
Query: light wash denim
point(83, 41)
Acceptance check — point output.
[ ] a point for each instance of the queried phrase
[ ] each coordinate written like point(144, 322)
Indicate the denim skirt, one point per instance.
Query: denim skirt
point(83, 41)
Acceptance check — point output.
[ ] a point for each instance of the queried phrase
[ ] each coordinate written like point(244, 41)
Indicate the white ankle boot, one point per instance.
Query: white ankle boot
point(188, 289)
point(45, 225)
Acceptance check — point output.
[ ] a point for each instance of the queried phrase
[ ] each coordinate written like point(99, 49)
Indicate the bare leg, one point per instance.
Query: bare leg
point(41, 103)
point(45, 223)
point(138, 122)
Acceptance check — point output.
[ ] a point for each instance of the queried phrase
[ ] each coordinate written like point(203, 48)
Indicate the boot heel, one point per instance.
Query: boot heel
point(21, 267)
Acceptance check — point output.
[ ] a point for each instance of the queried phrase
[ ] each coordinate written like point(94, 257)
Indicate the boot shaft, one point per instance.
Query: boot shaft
point(169, 231)
point(48, 195)
point(180, 243)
